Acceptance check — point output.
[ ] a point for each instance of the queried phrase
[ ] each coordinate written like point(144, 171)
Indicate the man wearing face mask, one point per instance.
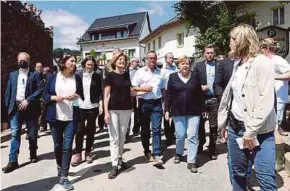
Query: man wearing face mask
point(22, 95)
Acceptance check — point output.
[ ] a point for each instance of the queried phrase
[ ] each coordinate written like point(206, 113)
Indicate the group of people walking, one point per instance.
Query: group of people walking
point(236, 95)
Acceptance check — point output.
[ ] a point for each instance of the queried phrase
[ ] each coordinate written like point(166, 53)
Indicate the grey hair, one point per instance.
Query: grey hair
point(133, 59)
point(167, 55)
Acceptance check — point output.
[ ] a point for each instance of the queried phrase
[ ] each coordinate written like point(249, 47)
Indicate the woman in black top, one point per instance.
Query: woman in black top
point(118, 106)
point(89, 110)
point(184, 101)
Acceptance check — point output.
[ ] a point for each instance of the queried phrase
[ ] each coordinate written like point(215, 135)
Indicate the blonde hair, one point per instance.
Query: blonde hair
point(25, 54)
point(246, 41)
point(181, 59)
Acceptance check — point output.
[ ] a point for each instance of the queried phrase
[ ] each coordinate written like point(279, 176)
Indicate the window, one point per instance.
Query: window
point(131, 53)
point(109, 35)
point(153, 44)
point(159, 42)
point(278, 16)
point(180, 39)
point(95, 37)
point(148, 47)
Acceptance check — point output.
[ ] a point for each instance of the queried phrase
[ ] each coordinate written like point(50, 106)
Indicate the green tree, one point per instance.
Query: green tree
point(93, 53)
point(214, 20)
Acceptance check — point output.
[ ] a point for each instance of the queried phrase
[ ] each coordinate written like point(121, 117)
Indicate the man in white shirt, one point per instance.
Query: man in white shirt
point(167, 70)
point(282, 67)
point(24, 89)
point(148, 82)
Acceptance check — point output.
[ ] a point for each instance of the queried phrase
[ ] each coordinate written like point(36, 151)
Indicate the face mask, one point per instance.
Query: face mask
point(23, 64)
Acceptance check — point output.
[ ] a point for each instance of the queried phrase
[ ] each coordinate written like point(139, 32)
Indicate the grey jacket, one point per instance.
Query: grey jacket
point(258, 94)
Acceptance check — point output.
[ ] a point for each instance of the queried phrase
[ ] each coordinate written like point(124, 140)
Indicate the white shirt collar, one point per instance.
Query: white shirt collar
point(25, 72)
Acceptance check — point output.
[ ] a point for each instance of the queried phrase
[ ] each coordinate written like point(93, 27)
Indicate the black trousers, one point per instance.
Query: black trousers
point(101, 120)
point(42, 121)
point(136, 126)
point(169, 130)
point(211, 106)
point(89, 115)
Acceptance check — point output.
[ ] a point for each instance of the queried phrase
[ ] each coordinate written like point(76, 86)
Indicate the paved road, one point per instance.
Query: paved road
point(212, 175)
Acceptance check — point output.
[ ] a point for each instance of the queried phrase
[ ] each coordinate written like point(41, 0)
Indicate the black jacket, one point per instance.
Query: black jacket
point(223, 75)
point(96, 89)
point(200, 70)
point(184, 99)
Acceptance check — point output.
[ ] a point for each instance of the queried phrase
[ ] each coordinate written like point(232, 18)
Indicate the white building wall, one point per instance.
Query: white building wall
point(109, 46)
point(145, 30)
point(169, 42)
point(263, 10)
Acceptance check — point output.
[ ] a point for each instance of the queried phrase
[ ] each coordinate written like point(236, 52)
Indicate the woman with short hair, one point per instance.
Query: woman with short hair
point(118, 107)
point(247, 108)
point(185, 103)
point(62, 92)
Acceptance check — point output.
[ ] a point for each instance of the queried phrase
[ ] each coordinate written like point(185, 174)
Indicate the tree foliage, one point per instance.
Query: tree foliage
point(214, 20)
point(58, 52)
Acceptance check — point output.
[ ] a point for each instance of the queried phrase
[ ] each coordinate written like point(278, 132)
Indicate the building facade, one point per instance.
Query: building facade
point(172, 36)
point(272, 19)
point(122, 31)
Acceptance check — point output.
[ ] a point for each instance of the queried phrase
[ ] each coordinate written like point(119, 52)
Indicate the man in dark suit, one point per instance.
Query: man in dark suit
point(223, 75)
point(22, 95)
point(206, 71)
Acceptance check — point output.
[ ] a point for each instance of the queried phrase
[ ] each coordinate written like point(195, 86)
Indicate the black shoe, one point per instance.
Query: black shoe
point(10, 167)
point(42, 129)
point(33, 159)
point(135, 134)
point(177, 159)
point(127, 139)
point(113, 173)
point(213, 157)
point(192, 167)
point(282, 132)
point(65, 183)
point(122, 164)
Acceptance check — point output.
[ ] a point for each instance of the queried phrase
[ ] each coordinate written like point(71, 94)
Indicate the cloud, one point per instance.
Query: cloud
point(154, 8)
point(67, 27)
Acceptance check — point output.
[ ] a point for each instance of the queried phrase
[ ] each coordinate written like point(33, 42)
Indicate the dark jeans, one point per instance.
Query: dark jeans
point(212, 109)
point(263, 158)
point(101, 119)
point(42, 121)
point(89, 115)
point(16, 120)
point(63, 134)
point(136, 126)
point(151, 110)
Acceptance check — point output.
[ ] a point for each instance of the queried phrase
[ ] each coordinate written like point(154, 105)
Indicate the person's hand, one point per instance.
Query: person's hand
point(204, 88)
point(59, 98)
point(23, 105)
point(148, 88)
point(107, 118)
point(249, 143)
point(224, 133)
point(204, 114)
point(167, 116)
point(72, 97)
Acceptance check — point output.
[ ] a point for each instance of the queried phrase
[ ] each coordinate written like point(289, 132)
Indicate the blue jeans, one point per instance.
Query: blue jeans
point(63, 133)
point(263, 157)
point(190, 125)
point(151, 110)
point(16, 120)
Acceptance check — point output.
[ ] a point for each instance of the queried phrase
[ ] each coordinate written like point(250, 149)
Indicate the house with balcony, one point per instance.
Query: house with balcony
point(121, 31)
point(171, 36)
point(272, 19)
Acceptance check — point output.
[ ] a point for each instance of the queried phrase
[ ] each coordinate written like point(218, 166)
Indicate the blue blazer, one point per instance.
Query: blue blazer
point(33, 91)
point(50, 91)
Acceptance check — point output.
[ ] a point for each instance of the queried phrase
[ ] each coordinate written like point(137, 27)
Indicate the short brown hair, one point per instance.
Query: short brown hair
point(83, 63)
point(209, 46)
point(181, 59)
point(65, 58)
